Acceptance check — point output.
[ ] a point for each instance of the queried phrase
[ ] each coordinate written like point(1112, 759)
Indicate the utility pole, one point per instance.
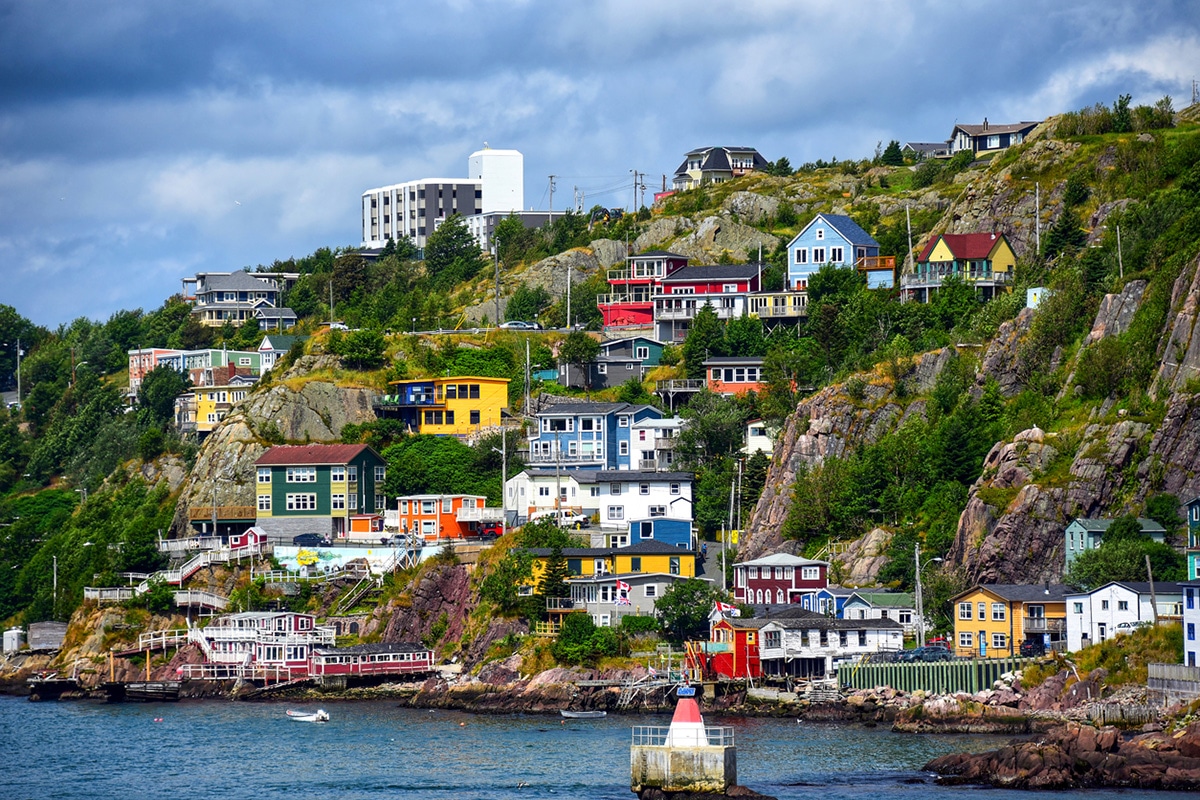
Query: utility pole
point(1037, 210)
point(331, 304)
point(496, 259)
point(908, 221)
point(1120, 267)
point(739, 494)
point(568, 297)
point(527, 381)
point(552, 196)
point(55, 611)
point(1153, 597)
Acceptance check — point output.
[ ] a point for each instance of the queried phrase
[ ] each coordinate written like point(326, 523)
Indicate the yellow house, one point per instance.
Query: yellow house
point(983, 260)
point(994, 620)
point(214, 402)
point(457, 406)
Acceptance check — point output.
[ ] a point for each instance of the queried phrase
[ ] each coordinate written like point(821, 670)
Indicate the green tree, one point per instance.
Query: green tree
point(363, 349)
point(634, 392)
point(683, 610)
point(715, 427)
point(554, 579)
point(1126, 528)
point(527, 303)
point(705, 339)
point(744, 337)
point(1125, 560)
point(156, 395)
point(578, 350)
point(451, 253)
point(1164, 509)
point(892, 156)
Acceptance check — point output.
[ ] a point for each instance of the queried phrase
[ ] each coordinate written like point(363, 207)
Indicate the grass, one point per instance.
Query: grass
point(1123, 657)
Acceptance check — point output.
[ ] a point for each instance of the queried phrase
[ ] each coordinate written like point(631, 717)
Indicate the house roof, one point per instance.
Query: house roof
point(963, 245)
point(611, 343)
point(837, 591)
point(631, 577)
point(651, 548)
point(884, 599)
point(1139, 587)
point(371, 649)
point(988, 128)
point(849, 229)
point(780, 560)
point(925, 147)
point(309, 454)
point(238, 282)
point(717, 158)
point(280, 342)
point(820, 622)
point(270, 312)
point(739, 361)
point(572, 407)
point(1101, 525)
point(710, 272)
point(1021, 592)
point(631, 476)
point(658, 254)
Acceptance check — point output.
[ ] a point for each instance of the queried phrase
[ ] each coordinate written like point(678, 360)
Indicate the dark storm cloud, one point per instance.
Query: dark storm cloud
point(141, 141)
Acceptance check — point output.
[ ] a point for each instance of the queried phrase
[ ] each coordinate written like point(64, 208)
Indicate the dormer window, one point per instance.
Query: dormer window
point(820, 233)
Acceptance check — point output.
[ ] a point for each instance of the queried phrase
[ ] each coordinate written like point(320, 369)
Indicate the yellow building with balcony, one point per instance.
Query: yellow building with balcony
point(453, 406)
point(994, 620)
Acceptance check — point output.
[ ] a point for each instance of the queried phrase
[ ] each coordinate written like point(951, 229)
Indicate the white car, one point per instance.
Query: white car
point(519, 325)
point(565, 518)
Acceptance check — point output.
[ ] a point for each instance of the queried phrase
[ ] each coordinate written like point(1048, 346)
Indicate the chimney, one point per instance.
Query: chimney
point(985, 123)
point(1047, 589)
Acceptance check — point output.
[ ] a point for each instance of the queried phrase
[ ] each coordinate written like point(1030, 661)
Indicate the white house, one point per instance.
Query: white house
point(899, 606)
point(534, 490)
point(1191, 623)
point(814, 647)
point(653, 442)
point(626, 495)
point(759, 436)
point(1118, 607)
point(606, 603)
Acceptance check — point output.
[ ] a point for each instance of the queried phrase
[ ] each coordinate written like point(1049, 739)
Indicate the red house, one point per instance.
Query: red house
point(630, 301)
point(733, 647)
point(778, 579)
point(730, 376)
point(725, 288)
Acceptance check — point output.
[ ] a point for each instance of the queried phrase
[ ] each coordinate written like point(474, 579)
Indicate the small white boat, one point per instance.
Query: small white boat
point(320, 715)
point(583, 714)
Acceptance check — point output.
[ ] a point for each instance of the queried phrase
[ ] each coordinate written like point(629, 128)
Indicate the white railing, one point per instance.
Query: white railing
point(104, 595)
point(189, 544)
point(656, 736)
point(559, 457)
point(195, 597)
point(228, 672)
point(680, 385)
point(160, 640)
point(480, 514)
point(217, 633)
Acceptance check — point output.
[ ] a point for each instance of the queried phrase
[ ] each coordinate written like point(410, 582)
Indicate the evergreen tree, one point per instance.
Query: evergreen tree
point(554, 579)
point(705, 340)
point(892, 156)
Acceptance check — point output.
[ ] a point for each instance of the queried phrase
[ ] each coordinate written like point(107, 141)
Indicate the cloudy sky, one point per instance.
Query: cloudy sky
point(144, 141)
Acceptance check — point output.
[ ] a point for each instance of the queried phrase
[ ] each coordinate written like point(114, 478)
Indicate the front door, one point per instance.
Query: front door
point(1102, 630)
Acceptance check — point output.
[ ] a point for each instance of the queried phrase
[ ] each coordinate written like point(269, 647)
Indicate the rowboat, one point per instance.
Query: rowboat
point(583, 714)
point(320, 715)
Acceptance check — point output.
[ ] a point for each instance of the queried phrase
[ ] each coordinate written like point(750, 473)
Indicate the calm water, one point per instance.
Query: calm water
point(222, 749)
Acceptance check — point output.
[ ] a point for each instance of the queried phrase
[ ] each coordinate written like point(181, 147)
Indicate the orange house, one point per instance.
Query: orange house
point(438, 517)
point(731, 376)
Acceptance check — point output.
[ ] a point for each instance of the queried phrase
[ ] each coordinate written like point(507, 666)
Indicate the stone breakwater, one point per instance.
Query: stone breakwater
point(1075, 756)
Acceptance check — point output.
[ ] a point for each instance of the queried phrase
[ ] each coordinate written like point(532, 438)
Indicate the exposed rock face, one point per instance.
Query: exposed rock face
point(441, 598)
point(660, 231)
point(551, 273)
point(750, 207)
point(717, 235)
point(1000, 360)
point(1116, 312)
point(1181, 356)
point(608, 252)
point(864, 557)
point(1081, 756)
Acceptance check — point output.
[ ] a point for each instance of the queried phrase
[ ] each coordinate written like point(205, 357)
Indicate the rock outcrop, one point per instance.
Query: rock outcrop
point(715, 236)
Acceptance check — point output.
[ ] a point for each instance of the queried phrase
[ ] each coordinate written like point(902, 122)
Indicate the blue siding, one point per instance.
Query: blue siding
point(818, 244)
point(675, 532)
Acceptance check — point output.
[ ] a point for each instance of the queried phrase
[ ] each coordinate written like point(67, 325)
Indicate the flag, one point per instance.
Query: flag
point(726, 607)
point(622, 586)
point(623, 600)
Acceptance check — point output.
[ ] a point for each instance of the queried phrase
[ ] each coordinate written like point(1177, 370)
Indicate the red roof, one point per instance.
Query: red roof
point(964, 246)
point(307, 454)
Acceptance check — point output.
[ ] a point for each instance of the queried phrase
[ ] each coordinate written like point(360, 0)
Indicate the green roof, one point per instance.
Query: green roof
point(885, 599)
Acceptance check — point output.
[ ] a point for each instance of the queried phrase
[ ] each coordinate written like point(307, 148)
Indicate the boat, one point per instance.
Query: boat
point(583, 714)
point(320, 715)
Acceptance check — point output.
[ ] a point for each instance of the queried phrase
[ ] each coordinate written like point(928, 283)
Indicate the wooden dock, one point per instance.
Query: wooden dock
point(142, 691)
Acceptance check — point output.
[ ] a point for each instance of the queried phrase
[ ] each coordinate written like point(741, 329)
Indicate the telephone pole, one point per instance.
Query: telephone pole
point(551, 193)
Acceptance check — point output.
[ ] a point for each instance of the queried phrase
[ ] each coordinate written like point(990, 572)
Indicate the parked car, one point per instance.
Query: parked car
point(1033, 648)
point(933, 652)
point(566, 519)
point(490, 530)
point(309, 540)
point(338, 326)
point(519, 325)
point(1130, 627)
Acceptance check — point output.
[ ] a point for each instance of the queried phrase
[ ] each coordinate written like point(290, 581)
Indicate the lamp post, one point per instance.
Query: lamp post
point(503, 451)
point(920, 599)
point(414, 325)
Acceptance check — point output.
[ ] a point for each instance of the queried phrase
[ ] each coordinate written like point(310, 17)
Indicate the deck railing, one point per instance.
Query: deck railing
point(107, 595)
point(656, 736)
point(680, 385)
point(1045, 625)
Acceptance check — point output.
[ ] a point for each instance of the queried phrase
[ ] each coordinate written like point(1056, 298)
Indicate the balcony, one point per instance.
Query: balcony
point(680, 385)
point(639, 275)
point(480, 515)
point(409, 401)
point(559, 457)
point(934, 275)
point(613, 299)
point(1045, 625)
point(876, 263)
point(561, 604)
point(784, 305)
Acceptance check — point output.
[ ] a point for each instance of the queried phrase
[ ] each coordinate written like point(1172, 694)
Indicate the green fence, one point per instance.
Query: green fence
point(938, 677)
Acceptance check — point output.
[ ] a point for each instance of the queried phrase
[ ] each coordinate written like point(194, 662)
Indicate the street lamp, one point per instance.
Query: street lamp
point(73, 368)
point(920, 599)
point(414, 325)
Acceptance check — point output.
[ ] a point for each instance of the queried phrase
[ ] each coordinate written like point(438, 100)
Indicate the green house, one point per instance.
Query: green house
point(317, 488)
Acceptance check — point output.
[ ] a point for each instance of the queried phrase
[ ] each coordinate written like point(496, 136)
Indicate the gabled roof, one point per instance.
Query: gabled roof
point(780, 560)
point(1139, 587)
point(820, 622)
point(883, 599)
point(988, 128)
point(650, 548)
point(239, 282)
point(1021, 592)
point(270, 312)
point(1101, 525)
point(973, 246)
point(658, 254)
point(708, 272)
point(846, 227)
point(716, 158)
point(575, 407)
point(312, 454)
point(925, 147)
point(612, 343)
point(280, 342)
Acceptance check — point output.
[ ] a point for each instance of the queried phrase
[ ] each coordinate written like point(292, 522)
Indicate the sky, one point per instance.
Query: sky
point(141, 142)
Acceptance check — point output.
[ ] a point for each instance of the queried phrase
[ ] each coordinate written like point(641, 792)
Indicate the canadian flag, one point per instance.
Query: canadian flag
point(622, 586)
point(724, 607)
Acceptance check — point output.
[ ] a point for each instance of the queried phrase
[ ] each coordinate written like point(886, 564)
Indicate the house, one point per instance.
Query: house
point(274, 319)
point(725, 288)
point(1193, 538)
point(630, 299)
point(778, 578)
point(618, 361)
point(587, 434)
point(234, 297)
point(316, 488)
point(1118, 607)
point(919, 151)
point(378, 658)
point(828, 601)
point(778, 309)
point(144, 359)
point(992, 620)
point(733, 646)
point(706, 165)
point(442, 517)
point(212, 367)
point(452, 406)
point(608, 597)
point(536, 491)
point(202, 409)
point(865, 604)
point(282, 640)
point(275, 346)
point(838, 240)
point(988, 138)
point(759, 436)
point(1087, 534)
point(813, 647)
point(729, 375)
point(1191, 622)
point(626, 497)
point(653, 442)
point(983, 260)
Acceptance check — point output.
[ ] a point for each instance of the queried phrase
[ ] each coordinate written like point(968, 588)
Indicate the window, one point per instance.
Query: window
point(428, 527)
point(965, 639)
point(244, 361)
point(337, 474)
point(623, 421)
point(658, 511)
point(380, 474)
point(616, 512)
point(801, 255)
point(301, 474)
point(338, 502)
point(629, 366)
point(380, 502)
point(993, 142)
point(1122, 605)
point(998, 614)
point(475, 417)
point(964, 611)
point(1191, 631)
point(999, 641)
point(1104, 605)
point(623, 448)
point(862, 638)
point(982, 611)
point(810, 573)
point(835, 255)
point(905, 618)
point(473, 391)
point(449, 417)
point(404, 506)
point(264, 502)
point(674, 567)
point(614, 488)
point(602, 369)
point(428, 507)
point(543, 491)
point(772, 639)
point(1190, 594)
point(353, 502)
point(752, 572)
point(301, 502)
point(635, 564)
point(818, 255)
point(641, 353)
point(264, 475)
point(643, 488)
point(1078, 608)
point(352, 473)
point(820, 234)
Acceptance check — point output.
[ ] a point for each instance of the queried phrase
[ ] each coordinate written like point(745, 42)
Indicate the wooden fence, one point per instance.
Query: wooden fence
point(1120, 714)
point(1175, 680)
point(937, 677)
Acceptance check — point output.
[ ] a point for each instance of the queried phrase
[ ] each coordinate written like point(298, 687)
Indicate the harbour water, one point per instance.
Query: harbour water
point(222, 749)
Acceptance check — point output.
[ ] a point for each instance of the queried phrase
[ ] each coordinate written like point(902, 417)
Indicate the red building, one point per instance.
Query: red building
point(726, 288)
point(733, 647)
point(730, 376)
point(630, 301)
point(778, 579)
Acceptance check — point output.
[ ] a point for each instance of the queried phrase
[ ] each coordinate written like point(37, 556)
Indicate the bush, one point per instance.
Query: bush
point(633, 625)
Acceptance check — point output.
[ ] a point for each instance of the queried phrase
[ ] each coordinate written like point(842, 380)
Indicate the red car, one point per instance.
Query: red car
point(490, 530)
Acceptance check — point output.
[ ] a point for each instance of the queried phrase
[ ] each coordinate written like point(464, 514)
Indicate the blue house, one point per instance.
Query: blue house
point(836, 239)
point(587, 435)
point(677, 532)
point(618, 361)
point(828, 601)
point(1087, 534)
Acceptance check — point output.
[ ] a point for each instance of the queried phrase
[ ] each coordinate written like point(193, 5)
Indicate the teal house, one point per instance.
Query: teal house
point(1086, 534)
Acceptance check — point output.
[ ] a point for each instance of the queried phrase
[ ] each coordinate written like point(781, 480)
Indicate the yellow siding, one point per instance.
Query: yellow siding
point(492, 400)
point(941, 252)
point(1002, 256)
point(658, 563)
point(1012, 626)
point(264, 490)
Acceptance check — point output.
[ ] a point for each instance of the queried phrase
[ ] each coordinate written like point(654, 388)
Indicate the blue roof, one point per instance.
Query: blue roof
point(849, 229)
